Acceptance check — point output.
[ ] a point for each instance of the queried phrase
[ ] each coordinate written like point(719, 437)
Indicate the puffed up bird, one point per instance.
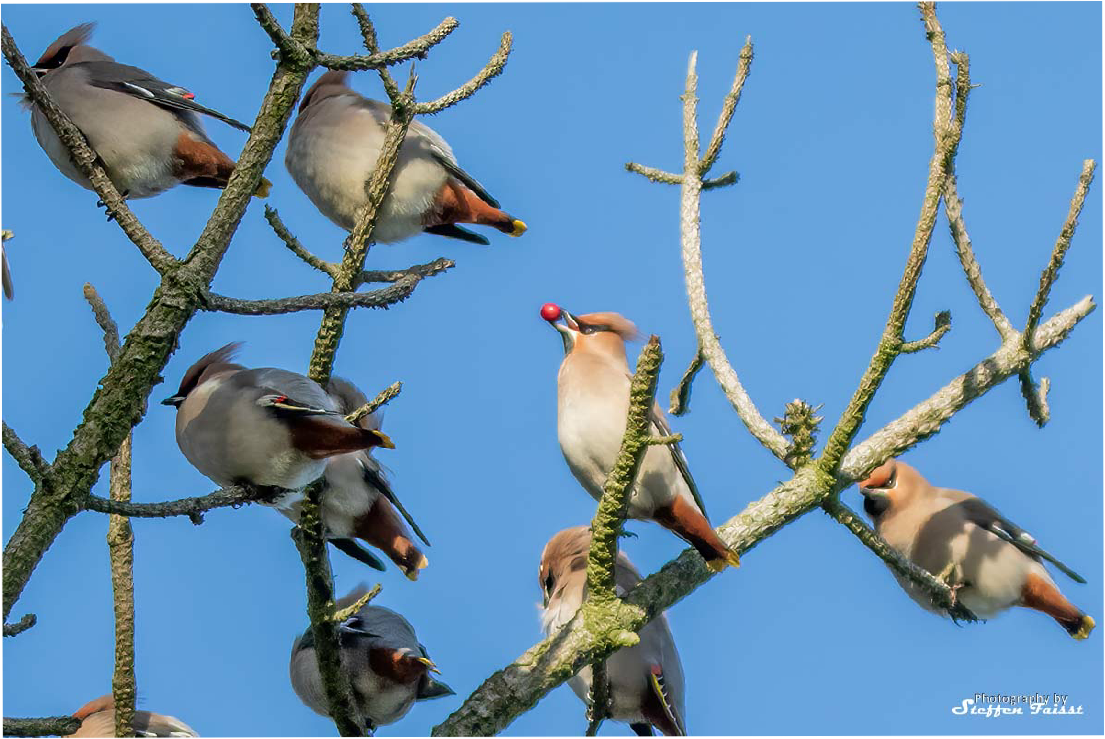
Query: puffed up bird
point(332, 151)
point(991, 563)
point(267, 427)
point(145, 131)
point(388, 669)
point(592, 404)
point(98, 720)
point(358, 502)
point(646, 680)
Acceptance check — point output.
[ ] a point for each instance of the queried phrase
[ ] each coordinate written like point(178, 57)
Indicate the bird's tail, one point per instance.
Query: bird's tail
point(382, 528)
point(687, 521)
point(1042, 595)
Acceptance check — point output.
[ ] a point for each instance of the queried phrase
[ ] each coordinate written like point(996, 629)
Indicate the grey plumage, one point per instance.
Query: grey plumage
point(388, 668)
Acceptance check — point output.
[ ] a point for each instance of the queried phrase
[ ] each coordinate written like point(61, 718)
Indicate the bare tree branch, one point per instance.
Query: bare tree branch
point(416, 48)
point(194, 508)
point(342, 614)
point(942, 324)
point(21, 625)
point(1035, 396)
point(654, 175)
point(1051, 272)
point(946, 141)
point(681, 394)
point(729, 105)
point(29, 458)
point(87, 161)
point(491, 70)
point(293, 244)
point(382, 298)
point(386, 396)
point(599, 708)
point(50, 726)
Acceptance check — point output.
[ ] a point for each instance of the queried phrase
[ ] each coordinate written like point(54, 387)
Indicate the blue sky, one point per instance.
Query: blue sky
point(832, 140)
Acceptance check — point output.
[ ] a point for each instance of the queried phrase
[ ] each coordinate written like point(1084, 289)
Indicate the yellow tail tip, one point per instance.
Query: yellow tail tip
point(1085, 629)
point(718, 565)
point(412, 574)
point(519, 227)
point(263, 189)
point(384, 439)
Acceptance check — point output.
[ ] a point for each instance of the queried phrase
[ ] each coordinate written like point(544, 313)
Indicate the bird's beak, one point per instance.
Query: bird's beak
point(429, 664)
point(175, 401)
point(568, 319)
point(875, 493)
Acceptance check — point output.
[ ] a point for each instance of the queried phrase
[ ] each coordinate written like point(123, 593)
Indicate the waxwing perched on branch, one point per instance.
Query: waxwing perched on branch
point(267, 427)
point(388, 669)
point(98, 720)
point(592, 405)
point(145, 131)
point(991, 563)
point(333, 147)
point(646, 680)
point(358, 502)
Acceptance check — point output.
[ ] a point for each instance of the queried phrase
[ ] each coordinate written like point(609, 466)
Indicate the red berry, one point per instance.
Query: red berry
point(550, 312)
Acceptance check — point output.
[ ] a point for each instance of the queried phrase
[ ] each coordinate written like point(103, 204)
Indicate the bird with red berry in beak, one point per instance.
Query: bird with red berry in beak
point(592, 405)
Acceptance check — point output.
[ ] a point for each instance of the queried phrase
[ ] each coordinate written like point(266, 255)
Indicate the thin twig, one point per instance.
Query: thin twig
point(386, 396)
point(1035, 397)
point(491, 70)
point(381, 298)
point(413, 49)
point(290, 241)
point(194, 508)
point(21, 625)
point(1059, 253)
point(942, 324)
point(598, 709)
point(681, 393)
point(342, 614)
point(87, 161)
point(729, 105)
point(29, 458)
point(654, 175)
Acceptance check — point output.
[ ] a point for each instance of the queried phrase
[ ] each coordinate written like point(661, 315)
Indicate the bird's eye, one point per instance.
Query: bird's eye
point(893, 481)
point(586, 329)
point(548, 583)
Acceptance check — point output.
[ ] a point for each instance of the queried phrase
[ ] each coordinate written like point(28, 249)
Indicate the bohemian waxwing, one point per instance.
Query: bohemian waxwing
point(358, 502)
point(332, 151)
point(267, 427)
point(388, 669)
point(991, 563)
point(98, 719)
point(592, 404)
point(145, 131)
point(646, 680)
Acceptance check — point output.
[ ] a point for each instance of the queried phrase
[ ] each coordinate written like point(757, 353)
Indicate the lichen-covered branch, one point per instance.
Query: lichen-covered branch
point(86, 160)
point(728, 106)
point(614, 505)
point(799, 423)
point(414, 49)
point(1059, 253)
point(21, 625)
point(942, 596)
point(942, 324)
point(382, 298)
point(193, 508)
point(29, 458)
point(691, 239)
point(120, 399)
point(50, 726)
point(491, 70)
point(681, 394)
point(889, 347)
point(342, 614)
point(655, 175)
point(290, 241)
point(385, 396)
point(120, 542)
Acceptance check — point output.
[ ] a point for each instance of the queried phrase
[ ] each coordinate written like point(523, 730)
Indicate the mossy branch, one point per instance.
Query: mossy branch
point(49, 726)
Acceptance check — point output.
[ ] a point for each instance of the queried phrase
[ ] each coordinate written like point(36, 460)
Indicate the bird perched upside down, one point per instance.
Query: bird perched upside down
point(990, 563)
point(98, 719)
point(646, 680)
point(333, 147)
point(592, 405)
point(145, 131)
point(388, 669)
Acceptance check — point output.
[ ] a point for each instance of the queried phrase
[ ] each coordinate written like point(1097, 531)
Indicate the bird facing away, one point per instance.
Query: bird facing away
point(145, 131)
point(333, 147)
point(990, 563)
point(646, 680)
point(592, 404)
point(267, 427)
point(388, 669)
point(98, 720)
point(358, 502)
